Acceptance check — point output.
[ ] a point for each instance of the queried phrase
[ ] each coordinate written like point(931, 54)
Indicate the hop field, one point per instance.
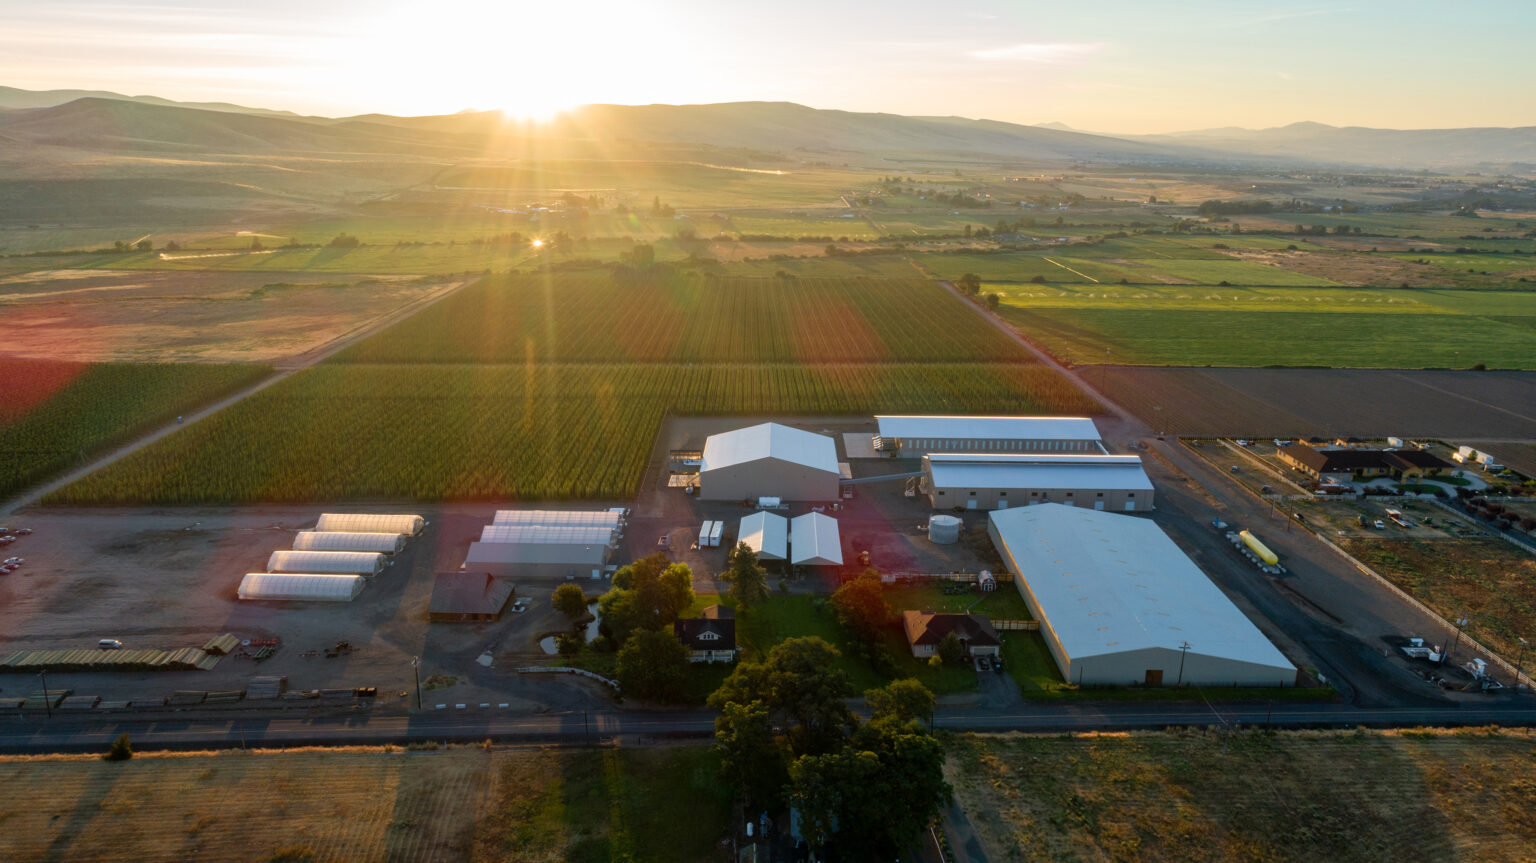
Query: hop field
point(434, 432)
point(692, 319)
point(54, 415)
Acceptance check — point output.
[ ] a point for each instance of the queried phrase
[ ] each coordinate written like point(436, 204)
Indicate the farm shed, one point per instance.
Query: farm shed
point(362, 522)
point(552, 559)
point(814, 541)
point(1119, 603)
point(769, 460)
point(913, 436)
point(330, 562)
point(559, 517)
point(538, 534)
point(767, 534)
point(300, 586)
point(460, 596)
point(339, 540)
point(999, 481)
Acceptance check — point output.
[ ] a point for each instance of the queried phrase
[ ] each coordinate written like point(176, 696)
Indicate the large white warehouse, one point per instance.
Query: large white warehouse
point(913, 436)
point(331, 562)
point(1001, 480)
point(769, 460)
point(306, 587)
point(1119, 603)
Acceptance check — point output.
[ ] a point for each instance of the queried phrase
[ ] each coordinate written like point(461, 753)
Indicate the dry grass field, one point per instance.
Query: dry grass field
point(1367, 403)
point(1334, 796)
point(459, 804)
point(148, 316)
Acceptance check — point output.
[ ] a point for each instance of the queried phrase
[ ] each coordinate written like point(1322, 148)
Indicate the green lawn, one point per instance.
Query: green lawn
point(1005, 603)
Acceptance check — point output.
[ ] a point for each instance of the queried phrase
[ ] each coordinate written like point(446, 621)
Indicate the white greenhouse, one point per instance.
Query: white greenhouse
point(301, 586)
point(338, 540)
point(559, 517)
point(331, 562)
point(363, 522)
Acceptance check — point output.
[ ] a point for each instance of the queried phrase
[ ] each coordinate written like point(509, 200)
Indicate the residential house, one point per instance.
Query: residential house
point(711, 637)
point(925, 629)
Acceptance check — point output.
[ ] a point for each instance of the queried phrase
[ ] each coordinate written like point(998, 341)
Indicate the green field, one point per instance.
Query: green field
point(432, 432)
point(693, 319)
point(54, 415)
point(1357, 327)
point(1137, 260)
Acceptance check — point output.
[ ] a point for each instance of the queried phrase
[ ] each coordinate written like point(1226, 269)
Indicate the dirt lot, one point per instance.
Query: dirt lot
point(145, 315)
point(1304, 402)
point(340, 806)
point(1192, 796)
point(1376, 270)
point(168, 578)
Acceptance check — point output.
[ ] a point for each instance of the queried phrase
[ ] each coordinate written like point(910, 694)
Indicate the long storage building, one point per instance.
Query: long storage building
point(560, 517)
point(814, 541)
point(1119, 603)
point(556, 550)
point(1001, 480)
point(338, 540)
point(769, 460)
point(913, 436)
point(329, 562)
point(363, 522)
point(297, 586)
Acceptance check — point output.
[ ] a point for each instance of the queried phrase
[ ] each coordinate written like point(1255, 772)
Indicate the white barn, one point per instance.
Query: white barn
point(767, 534)
point(769, 460)
point(1001, 480)
point(814, 541)
point(913, 436)
point(1119, 603)
point(559, 517)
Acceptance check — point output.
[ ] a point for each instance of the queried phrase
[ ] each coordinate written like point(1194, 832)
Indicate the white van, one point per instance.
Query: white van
point(109, 644)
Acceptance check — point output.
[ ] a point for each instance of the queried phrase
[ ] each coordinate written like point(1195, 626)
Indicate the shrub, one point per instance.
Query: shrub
point(121, 750)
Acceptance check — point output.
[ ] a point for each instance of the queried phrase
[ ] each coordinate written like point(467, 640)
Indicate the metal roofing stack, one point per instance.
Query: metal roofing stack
point(185, 659)
point(222, 645)
point(265, 688)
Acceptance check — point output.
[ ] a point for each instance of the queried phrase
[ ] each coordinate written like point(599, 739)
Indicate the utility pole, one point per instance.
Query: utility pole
point(1519, 656)
point(1183, 651)
point(1461, 623)
point(47, 702)
point(416, 666)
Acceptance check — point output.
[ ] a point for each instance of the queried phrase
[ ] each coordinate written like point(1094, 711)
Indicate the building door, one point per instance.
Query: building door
point(970, 504)
point(1002, 503)
point(1098, 505)
point(1130, 506)
point(1154, 677)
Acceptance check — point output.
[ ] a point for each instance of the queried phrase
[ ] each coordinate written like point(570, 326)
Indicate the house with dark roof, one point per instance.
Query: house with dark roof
point(464, 595)
point(1347, 464)
point(711, 637)
point(925, 629)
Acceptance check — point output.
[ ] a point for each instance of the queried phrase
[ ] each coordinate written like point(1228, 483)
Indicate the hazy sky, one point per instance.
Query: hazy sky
point(1131, 66)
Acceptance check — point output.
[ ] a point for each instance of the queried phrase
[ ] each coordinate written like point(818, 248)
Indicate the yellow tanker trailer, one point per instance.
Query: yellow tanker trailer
point(1258, 548)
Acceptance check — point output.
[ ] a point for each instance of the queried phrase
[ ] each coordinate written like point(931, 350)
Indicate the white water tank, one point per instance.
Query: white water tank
point(944, 529)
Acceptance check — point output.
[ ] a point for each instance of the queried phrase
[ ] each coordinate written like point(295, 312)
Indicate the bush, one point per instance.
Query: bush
point(121, 750)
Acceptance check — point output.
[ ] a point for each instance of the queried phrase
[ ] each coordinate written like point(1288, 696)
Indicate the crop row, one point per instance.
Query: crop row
point(691, 318)
point(349, 432)
point(54, 415)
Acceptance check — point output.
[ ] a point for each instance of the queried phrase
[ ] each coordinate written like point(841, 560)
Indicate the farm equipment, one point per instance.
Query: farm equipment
point(264, 653)
point(341, 648)
point(1415, 649)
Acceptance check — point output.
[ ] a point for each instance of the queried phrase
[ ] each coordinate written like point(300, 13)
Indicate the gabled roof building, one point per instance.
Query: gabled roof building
point(769, 460)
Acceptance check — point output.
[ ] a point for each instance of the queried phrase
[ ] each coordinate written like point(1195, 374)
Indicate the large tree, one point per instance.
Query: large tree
point(901, 700)
point(748, 579)
point(860, 606)
point(800, 682)
point(569, 600)
point(873, 797)
point(750, 758)
point(654, 666)
point(648, 594)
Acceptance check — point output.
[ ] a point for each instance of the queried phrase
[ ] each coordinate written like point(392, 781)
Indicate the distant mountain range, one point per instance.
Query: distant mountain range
point(99, 120)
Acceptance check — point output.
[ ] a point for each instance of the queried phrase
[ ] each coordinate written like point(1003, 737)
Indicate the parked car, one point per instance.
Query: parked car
point(15, 560)
point(9, 568)
point(7, 539)
point(997, 664)
point(109, 644)
point(23, 531)
point(1380, 525)
point(983, 664)
point(664, 543)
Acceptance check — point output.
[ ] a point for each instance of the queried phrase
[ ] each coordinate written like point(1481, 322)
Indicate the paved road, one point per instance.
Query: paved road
point(285, 369)
point(35, 734)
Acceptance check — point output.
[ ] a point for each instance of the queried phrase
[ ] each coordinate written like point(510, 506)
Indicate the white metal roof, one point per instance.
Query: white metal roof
point(535, 553)
point(1010, 471)
point(988, 428)
point(558, 517)
point(814, 541)
point(767, 534)
point(368, 522)
point(1112, 583)
point(336, 540)
point(326, 561)
point(769, 440)
point(540, 534)
point(300, 586)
